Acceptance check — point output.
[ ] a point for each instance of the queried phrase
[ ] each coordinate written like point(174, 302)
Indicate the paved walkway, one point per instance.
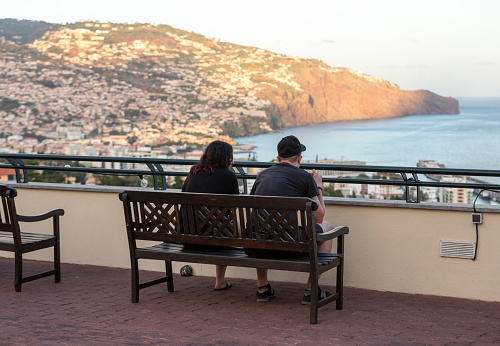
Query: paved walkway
point(92, 305)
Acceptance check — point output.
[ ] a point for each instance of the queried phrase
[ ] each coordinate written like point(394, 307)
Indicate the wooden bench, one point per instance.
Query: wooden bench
point(13, 240)
point(235, 221)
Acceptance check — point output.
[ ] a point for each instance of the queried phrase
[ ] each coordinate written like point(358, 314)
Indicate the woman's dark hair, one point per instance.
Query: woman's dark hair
point(217, 154)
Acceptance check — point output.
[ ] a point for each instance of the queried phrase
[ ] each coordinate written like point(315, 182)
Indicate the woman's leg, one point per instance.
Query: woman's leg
point(220, 272)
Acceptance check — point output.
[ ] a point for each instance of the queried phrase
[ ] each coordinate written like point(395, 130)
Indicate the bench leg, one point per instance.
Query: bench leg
point(314, 298)
point(135, 280)
point(57, 261)
point(18, 275)
point(339, 304)
point(170, 277)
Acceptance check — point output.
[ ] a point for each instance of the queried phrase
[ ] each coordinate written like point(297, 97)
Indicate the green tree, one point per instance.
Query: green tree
point(178, 182)
point(329, 191)
point(132, 113)
point(47, 177)
point(132, 139)
point(109, 180)
point(78, 176)
point(7, 104)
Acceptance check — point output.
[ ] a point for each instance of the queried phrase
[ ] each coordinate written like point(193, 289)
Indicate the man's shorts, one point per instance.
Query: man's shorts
point(276, 254)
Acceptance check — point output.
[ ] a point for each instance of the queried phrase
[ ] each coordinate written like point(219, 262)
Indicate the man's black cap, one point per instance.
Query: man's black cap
point(290, 146)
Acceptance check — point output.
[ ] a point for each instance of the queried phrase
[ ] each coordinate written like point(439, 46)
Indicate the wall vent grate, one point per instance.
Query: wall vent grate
point(458, 249)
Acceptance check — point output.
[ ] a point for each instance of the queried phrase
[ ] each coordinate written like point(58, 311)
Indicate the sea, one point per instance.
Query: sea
point(470, 139)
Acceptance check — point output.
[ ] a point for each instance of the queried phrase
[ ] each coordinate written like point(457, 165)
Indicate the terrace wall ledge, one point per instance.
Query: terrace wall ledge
point(384, 203)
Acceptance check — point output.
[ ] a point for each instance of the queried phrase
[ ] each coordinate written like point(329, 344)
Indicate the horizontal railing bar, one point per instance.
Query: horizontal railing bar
point(331, 167)
point(253, 176)
point(95, 170)
point(393, 169)
point(412, 183)
point(98, 158)
point(238, 165)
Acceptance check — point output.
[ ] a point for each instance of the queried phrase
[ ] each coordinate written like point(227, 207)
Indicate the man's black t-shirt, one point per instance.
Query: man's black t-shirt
point(286, 180)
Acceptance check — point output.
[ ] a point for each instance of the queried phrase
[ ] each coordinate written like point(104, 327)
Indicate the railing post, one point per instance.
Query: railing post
point(159, 168)
point(412, 189)
point(19, 162)
point(245, 180)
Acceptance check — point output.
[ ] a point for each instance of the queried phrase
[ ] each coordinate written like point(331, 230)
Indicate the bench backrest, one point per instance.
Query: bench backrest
point(8, 214)
point(278, 223)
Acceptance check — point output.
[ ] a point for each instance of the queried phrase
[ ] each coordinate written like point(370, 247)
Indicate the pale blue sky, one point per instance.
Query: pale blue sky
point(450, 47)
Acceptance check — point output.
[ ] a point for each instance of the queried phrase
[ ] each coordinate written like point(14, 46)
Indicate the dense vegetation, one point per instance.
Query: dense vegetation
point(7, 104)
point(245, 126)
point(24, 31)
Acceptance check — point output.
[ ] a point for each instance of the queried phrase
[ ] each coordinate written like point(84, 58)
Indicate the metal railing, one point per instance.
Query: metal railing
point(159, 169)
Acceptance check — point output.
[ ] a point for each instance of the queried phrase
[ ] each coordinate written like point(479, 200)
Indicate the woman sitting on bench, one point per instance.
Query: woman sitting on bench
point(213, 174)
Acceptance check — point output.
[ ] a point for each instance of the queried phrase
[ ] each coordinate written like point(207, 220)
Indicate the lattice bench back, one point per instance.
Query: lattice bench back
point(284, 223)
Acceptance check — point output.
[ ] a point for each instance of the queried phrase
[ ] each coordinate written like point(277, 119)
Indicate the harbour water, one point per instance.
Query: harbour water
point(469, 139)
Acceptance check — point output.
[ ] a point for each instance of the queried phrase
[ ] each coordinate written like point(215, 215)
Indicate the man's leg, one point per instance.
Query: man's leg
point(262, 277)
point(264, 289)
point(324, 247)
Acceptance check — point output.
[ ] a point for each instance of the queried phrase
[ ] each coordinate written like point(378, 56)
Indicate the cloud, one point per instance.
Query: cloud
point(327, 40)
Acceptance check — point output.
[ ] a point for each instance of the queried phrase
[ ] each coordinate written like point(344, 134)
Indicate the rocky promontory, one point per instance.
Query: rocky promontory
point(341, 94)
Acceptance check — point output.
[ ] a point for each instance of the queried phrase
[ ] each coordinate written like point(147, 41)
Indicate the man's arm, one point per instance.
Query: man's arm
point(320, 212)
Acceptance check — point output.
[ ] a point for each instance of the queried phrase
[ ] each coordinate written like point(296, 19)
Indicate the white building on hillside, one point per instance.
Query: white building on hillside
point(455, 195)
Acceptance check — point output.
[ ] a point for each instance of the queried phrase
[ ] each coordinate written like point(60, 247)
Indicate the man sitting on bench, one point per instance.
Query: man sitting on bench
point(287, 179)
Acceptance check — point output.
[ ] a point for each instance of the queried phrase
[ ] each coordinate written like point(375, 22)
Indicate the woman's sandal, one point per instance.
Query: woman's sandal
point(226, 286)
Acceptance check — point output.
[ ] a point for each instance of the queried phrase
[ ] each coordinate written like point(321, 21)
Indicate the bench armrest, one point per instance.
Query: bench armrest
point(334, 233)
point(41, 217)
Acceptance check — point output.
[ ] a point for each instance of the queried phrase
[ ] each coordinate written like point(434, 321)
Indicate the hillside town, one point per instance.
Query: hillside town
point(52, 105)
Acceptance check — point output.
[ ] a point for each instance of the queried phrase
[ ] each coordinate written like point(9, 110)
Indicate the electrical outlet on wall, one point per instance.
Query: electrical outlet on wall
point(477, 218)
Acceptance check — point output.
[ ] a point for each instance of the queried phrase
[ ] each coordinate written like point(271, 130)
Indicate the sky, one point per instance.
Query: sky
point(450, 47)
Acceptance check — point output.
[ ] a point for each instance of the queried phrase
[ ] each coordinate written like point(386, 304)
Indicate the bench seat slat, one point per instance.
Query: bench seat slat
point(30, 241)
point(230, 256)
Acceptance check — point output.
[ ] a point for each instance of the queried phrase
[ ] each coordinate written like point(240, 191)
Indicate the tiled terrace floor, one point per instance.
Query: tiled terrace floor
point(92, 305)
